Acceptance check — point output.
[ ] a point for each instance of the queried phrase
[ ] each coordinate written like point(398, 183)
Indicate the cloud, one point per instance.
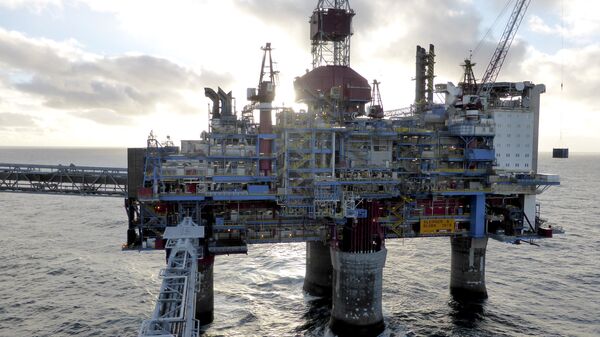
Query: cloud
point(282, 12)
point(67, 78)
point(537, 24)
point(36, 6)
point(103, 116)
point(576, 69)
point(387, 31)
point(215, 37)
point(576, 21)
point(454, 27)
point(15, 120)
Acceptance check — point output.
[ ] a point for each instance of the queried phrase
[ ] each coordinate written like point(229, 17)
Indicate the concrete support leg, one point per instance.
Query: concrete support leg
point(317, 280)
point(205, 300)
point(357, 287)
point(467, 268)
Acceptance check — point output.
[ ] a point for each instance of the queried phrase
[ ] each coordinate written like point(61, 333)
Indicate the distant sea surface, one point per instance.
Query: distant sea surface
point(62, 271)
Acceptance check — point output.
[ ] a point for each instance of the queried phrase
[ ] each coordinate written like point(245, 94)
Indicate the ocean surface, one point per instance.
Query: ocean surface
point(62, 271)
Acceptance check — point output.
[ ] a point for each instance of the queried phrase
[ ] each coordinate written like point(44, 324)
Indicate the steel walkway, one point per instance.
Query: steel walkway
point(175, 310)
point(60, 179)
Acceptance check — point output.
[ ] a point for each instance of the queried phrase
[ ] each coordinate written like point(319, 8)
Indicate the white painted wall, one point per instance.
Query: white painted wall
point(513, 141)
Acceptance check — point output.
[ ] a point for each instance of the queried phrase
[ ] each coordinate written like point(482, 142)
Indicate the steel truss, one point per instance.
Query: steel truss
point(175, 309)
point(59, 179)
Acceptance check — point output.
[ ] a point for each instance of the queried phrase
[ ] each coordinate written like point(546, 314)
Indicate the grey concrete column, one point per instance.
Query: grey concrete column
point(317, 280)
point(357, 287)
point(205, 300)
point(467, 267)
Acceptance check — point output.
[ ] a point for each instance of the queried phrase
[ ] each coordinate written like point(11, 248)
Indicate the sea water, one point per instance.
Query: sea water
point(62, 271)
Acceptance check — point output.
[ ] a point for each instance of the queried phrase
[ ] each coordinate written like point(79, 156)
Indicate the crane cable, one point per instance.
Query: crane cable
point(562, 66)
point(562, 42)
point(508, 2)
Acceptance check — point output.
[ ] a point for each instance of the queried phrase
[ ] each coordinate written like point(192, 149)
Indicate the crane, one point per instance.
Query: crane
point(262, 97)
point(493, 68)
point(265, 92)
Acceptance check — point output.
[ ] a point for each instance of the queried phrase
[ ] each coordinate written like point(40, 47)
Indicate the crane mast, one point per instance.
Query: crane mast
point(266, 87)
point(493, 68)
point(265, 96)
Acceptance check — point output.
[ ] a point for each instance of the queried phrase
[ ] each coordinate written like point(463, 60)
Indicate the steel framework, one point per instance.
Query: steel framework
point(331, 46)
point(174, 313)
point(59, 179)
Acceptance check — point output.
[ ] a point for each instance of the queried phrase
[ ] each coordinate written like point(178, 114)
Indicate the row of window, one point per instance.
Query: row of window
point(518, 135)
point(516, 165)
point(517, 155)
point(508, 145)
point(499, 125)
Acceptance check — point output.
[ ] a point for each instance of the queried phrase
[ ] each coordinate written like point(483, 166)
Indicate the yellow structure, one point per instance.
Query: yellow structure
point(433, 226)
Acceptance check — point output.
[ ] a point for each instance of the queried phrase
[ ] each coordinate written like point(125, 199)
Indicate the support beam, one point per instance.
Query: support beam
point(478, 215)
point(317, 280)
point(130, 207)
point(467, 267)
point(205, 300)
point(528, 202)
point(357, 290)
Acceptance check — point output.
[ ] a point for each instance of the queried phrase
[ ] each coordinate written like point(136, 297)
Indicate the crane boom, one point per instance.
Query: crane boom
point(493, 68)
point(265, 92)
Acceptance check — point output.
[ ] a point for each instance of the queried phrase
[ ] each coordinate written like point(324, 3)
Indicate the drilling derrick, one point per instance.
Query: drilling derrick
point(336, 95)
point(332, 88)
point(330, 32)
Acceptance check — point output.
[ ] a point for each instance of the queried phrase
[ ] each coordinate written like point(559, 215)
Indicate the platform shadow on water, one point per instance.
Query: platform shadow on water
point(467, 312)
point(316, 315)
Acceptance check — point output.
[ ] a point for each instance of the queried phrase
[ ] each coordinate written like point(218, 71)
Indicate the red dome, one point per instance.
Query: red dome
point(353, 87)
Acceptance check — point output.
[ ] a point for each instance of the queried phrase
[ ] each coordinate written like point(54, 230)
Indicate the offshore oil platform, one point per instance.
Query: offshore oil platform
point(344, 175)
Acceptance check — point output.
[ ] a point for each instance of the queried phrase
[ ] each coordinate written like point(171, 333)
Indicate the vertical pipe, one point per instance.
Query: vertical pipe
point(333, 154)
point(313, 138)
point(265, 145)
point(420, 76)
point(286, 158)
point(430, 73)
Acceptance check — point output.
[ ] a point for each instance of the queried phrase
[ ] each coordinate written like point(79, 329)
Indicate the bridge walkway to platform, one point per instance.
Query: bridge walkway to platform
point(61, 179)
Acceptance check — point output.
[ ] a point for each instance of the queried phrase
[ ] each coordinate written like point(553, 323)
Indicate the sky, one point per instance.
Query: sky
point(104, 73)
